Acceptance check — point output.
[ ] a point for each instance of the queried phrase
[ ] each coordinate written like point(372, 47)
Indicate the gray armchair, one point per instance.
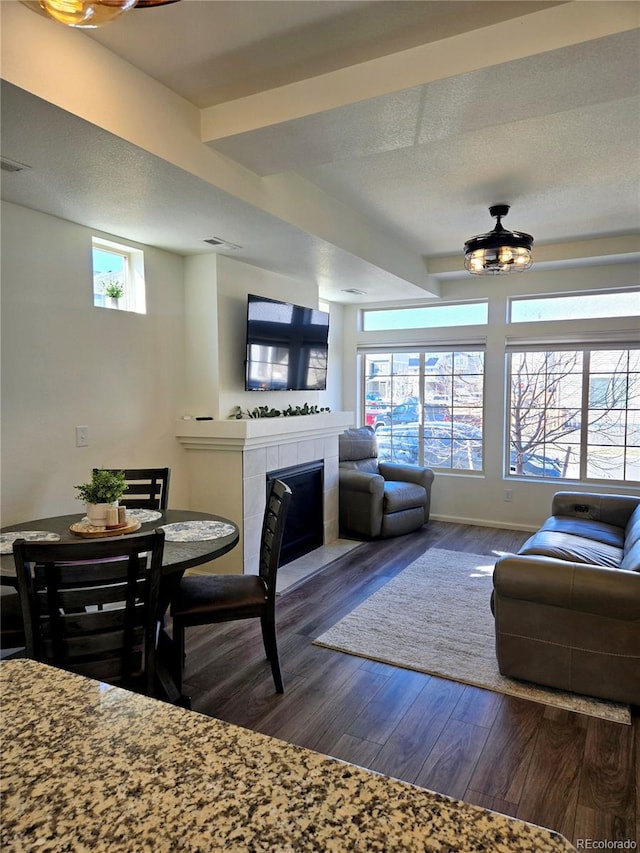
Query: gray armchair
point(379, 499)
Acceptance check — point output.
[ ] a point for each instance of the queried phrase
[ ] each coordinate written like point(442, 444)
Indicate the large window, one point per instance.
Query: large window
point(426, 406)
point(575, 414)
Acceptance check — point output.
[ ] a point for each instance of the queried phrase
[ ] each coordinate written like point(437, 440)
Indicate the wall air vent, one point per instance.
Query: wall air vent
point(12, 166)
point(219, 243)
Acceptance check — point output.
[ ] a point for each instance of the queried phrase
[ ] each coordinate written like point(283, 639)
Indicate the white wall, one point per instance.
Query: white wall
point(66, 363)
point(126, 376)
point(480, 499)
point(235, 280)
point(216, 289)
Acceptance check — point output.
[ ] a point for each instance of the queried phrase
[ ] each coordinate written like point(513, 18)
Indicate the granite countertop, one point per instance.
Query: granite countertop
point(88, 767)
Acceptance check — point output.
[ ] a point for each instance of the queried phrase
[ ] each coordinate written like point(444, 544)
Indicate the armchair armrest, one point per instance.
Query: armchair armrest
point(361, 500)
point(609, 509)
point(579, 587)
point(361, 481)
point(406, 473)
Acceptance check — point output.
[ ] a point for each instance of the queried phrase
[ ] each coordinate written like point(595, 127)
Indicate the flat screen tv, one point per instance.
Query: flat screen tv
point(287, 346)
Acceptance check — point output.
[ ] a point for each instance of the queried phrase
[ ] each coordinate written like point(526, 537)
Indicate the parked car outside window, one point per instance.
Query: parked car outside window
point(444, 445)
point(407, 413)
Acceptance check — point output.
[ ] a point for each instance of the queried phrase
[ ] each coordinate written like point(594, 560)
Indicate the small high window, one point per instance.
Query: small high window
point(583, 306)
point(425, 317)
point(118, 276)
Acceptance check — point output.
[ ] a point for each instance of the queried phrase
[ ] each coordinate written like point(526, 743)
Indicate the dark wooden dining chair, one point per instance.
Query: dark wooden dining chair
point(208, 599)
point(93, 607)
point(148, 488)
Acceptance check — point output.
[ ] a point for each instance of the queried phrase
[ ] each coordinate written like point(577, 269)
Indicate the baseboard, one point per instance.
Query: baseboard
point(484, 522)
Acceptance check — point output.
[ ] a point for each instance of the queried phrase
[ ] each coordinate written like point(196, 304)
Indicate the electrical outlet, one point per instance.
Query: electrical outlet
point(82, 436)
point(507, 495)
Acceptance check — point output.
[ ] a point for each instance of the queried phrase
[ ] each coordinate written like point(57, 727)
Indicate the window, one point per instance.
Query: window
point(425, 317)
point(575, 414)
point(576, 306)
point(118, 276)
point(426, 406)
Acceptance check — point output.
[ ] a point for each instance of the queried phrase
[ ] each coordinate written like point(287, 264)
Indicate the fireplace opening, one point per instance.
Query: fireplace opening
point(304, 528)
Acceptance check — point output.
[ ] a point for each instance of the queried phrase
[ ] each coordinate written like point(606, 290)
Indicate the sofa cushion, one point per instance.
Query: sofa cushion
point(576, 549)
point(631, 559)
point(367, 466)
point(608, 534)
point(632, 530)
point(399, 496)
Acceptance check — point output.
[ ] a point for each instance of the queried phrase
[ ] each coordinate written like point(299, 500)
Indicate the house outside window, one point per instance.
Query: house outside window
point(426, 406)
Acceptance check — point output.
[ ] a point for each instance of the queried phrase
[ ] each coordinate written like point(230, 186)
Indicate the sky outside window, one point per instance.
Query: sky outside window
point(426, 317)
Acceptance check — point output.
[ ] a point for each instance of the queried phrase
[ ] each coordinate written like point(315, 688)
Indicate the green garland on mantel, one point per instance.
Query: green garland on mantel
point(266, 412)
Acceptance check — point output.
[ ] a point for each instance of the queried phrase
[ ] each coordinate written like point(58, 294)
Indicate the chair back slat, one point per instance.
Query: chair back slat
point(95, 614)
point(73, 597)
point(103, 574)
point(275, 516)
point(105, 670)
point(93, 622)
point(88, 647)
point(147, 488)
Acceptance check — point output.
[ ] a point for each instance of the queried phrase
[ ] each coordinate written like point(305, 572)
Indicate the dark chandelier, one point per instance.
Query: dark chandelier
point(499, 251)
point(89, 13)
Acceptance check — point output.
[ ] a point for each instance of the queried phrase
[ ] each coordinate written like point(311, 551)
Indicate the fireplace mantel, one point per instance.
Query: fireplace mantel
point(228, 462)
point(250, 433)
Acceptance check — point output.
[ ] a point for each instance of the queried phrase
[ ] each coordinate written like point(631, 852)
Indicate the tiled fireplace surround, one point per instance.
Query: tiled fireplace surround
point(228, 462)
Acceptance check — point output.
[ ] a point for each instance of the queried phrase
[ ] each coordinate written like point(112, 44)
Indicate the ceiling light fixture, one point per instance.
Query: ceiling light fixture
point(499, 251)
point(88, 13)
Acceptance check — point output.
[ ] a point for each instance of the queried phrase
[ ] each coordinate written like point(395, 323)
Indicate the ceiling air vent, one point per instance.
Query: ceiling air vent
point(354, 290)
point(12, 166)
point(218, 242)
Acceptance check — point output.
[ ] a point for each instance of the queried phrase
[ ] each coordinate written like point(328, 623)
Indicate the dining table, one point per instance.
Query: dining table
point(192, 539)
point(88, 766)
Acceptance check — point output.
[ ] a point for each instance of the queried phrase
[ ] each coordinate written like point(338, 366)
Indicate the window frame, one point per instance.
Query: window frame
point(587, 350)
point(422, 350)
point(134, 297)
point(414, 312)
point(580, 297)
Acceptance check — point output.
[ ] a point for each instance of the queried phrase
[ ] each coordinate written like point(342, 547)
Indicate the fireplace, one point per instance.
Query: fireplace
point(228, 461)
point(304, 528)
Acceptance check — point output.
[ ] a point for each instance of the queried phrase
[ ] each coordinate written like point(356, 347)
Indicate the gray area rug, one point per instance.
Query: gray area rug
point(435, 617)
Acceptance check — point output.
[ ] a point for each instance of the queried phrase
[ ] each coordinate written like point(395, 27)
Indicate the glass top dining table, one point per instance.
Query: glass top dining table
point(191, 538)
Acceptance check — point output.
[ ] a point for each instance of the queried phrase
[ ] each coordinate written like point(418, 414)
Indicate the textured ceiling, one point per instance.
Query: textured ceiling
point(555, 133)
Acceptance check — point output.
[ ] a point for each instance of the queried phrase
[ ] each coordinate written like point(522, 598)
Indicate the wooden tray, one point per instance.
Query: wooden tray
point(88, 531)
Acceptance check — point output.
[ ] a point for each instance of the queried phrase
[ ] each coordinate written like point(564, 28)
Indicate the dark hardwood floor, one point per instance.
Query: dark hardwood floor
point(569, 772)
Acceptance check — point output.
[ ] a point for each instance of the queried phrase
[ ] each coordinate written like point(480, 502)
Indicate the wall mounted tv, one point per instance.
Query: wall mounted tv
point(287, 346)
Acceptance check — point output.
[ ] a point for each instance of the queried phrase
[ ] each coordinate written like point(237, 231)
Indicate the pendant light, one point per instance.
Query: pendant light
point(499, 251)
point(87, 14)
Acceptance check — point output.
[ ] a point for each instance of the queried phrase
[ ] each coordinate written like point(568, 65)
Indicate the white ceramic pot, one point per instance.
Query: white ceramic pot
point(97, 513)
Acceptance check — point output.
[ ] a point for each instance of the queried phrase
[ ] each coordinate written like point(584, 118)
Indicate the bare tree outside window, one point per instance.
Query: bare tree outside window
point(550, 402)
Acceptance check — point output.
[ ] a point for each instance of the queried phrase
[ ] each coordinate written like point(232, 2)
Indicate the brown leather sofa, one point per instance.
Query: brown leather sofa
point(379, 499)
point(567, 606)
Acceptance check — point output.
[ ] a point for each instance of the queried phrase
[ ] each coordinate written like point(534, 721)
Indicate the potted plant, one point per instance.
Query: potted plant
point(114, 291)
point(102, 492)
